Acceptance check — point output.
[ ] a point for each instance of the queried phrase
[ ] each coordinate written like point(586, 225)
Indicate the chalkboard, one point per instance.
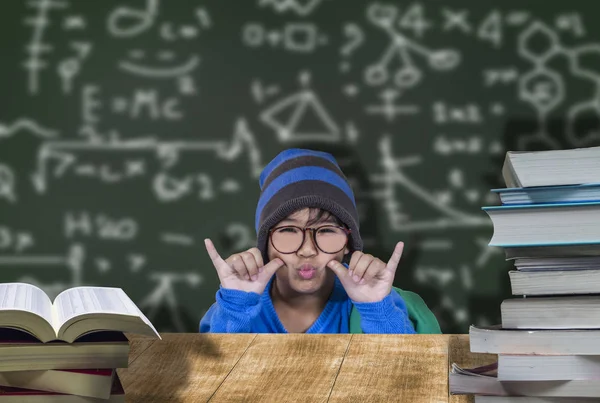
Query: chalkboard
point(132, 130)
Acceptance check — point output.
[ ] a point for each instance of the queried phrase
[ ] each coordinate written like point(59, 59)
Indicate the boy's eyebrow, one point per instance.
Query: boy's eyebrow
point(329, 219)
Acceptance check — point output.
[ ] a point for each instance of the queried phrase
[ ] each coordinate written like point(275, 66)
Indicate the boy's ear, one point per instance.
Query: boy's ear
point(347, 255)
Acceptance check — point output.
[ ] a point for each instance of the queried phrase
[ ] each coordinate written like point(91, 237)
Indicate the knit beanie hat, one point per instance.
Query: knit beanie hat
point(299, 178)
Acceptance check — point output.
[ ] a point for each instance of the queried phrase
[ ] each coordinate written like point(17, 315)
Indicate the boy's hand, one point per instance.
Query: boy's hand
point(367, 278)
point(243, 271)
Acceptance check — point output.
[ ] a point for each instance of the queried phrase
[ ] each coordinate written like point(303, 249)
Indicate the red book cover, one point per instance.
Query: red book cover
point(99, 372)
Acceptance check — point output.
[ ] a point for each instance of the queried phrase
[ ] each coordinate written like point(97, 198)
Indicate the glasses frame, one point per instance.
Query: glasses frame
point(313, 231)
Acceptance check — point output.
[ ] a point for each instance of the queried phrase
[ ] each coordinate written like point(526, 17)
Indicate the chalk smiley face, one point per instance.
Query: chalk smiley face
point(131, 65)
point(128, 22)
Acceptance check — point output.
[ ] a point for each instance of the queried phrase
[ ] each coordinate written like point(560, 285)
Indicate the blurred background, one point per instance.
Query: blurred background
point(132, 130)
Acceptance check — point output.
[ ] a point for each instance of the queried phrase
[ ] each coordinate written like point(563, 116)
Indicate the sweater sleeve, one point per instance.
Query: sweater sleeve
point(388, 316)
point(233, 312)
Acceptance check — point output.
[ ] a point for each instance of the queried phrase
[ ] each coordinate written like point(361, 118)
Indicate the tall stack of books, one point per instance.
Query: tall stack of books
point(548, 343)
point(67, 350)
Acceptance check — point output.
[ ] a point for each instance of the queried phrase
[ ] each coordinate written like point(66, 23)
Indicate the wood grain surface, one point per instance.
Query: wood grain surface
point(390, 368)
point(295, 368)
point(183, 367)
point(286, 368)
point(137, 345)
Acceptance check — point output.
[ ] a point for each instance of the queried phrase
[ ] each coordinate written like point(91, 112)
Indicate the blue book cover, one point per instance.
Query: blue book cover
point(562, 188)
point(550, 194)
point(540, 205)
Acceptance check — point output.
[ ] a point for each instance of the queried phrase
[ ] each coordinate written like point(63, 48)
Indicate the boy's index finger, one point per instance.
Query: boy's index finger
point(257, 256)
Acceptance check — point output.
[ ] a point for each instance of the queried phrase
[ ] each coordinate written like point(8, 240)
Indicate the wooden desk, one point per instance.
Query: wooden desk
point(294, 368)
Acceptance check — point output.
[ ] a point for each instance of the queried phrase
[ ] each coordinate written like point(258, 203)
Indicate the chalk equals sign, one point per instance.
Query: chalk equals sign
point(39, 260)
point(173, 238)
point(73, 259)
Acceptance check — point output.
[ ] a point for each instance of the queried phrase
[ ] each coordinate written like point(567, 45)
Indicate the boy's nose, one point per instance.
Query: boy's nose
point(308, 247)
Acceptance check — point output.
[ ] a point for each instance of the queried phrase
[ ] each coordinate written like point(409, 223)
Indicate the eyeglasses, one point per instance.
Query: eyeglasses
point(290, 238)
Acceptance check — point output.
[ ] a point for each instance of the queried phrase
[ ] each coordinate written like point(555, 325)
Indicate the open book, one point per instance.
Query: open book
point(484, 381)
point(75, 312)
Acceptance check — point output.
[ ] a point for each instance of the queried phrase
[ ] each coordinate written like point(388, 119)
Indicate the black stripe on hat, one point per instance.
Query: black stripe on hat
point(302, 161)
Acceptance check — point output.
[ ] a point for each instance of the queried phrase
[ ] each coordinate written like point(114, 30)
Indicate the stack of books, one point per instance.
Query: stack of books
point(548, 344)
point(67, 350)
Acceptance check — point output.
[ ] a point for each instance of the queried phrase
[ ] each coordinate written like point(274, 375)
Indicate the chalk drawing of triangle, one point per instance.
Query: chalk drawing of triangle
point(301, 117)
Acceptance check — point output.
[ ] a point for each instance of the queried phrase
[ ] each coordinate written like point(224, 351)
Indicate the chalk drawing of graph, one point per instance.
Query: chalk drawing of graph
point(393, 178)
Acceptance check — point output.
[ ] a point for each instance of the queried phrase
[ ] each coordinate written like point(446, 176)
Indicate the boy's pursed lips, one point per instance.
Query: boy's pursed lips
point(307, 271)
point(307, 267)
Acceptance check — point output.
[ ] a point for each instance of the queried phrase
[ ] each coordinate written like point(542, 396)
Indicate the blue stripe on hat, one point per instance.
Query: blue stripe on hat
point(298, 175)
point(289, 154)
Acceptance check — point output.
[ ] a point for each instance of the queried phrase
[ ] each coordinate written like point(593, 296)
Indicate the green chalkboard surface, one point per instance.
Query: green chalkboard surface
point(132, 130)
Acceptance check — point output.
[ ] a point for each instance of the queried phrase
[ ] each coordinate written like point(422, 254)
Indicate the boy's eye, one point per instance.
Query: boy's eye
point(288, 230)
point(326, 230)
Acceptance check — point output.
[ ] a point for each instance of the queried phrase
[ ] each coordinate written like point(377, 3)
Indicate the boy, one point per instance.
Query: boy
point(294, 280)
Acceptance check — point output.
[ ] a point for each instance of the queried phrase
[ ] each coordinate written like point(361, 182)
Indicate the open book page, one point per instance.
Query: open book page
point(95, 300)
point(490, 370)
point(25, 297)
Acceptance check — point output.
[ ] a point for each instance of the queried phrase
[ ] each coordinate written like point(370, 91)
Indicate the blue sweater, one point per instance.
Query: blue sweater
point(248, 312)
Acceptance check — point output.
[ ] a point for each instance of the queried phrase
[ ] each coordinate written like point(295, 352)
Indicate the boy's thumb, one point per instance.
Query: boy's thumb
point(271, 267)
point(339, 269)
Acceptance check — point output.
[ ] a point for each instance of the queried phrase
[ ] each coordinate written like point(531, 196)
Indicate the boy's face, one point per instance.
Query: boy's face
point(305, 270)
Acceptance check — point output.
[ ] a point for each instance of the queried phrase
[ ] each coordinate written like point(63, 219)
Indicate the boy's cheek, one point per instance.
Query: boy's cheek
point(270, 253)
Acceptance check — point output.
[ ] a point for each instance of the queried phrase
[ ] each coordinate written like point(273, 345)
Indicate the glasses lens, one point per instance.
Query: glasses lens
point(331, 239)
point(287, 239)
